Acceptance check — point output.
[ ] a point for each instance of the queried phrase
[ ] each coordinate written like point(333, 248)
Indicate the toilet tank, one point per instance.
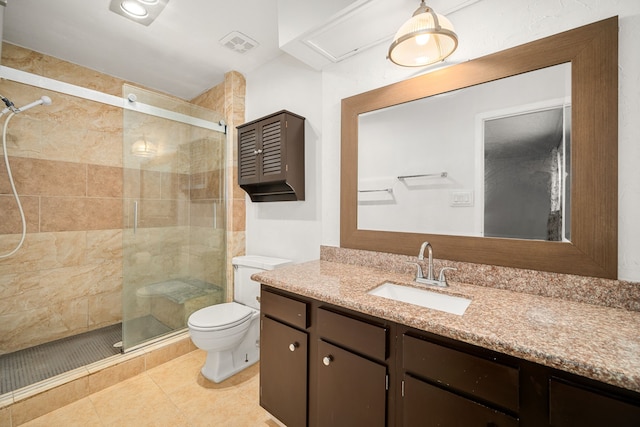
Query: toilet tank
point(245, 290)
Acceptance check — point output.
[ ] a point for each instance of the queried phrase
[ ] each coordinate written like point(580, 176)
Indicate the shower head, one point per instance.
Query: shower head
point(45, 100)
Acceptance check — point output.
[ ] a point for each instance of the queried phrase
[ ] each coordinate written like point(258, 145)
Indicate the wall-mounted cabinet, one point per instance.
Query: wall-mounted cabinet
point(271, 157)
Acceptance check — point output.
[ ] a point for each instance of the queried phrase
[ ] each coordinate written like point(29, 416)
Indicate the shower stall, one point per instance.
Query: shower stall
point(125, 207)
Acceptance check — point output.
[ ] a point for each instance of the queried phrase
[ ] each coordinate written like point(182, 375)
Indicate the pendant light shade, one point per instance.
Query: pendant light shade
point(424, 39)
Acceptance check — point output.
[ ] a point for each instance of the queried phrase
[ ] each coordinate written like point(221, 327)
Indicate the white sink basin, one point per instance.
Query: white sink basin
point(422, 297)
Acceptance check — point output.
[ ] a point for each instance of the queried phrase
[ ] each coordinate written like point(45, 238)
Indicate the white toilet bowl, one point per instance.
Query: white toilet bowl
point(230, 332)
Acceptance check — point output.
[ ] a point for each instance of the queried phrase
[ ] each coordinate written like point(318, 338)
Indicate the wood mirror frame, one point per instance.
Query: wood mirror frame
point(592, 51)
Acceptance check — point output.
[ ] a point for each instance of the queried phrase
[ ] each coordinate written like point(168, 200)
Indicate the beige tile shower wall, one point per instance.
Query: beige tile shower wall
point(59, 284)
point(229, 97)
point(207, 207)
point(235, 90)
point(67, 160)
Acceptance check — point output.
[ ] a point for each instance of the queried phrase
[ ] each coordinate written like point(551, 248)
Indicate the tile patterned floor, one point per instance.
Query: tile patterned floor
point(174, 394)
point(31, 365)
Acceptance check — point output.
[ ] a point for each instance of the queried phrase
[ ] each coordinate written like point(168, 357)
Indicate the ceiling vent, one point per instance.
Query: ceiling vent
point(238, 42)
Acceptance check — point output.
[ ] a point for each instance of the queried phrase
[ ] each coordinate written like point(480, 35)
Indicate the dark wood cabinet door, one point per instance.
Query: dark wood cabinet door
point(351, 390)
point(571, 405)
point(425, 405)
point(273, 152)
point(248, 145)
point(283, 372)
point(262, 151)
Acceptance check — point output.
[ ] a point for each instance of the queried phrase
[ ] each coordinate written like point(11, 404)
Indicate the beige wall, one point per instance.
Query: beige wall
point(68, 167)
point(229, 97)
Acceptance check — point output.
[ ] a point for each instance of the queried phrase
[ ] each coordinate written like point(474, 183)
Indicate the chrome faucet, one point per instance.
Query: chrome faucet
point(430, 279)
point(427, 245)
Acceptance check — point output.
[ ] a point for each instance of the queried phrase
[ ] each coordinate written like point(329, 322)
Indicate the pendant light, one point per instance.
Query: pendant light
point(424, 39)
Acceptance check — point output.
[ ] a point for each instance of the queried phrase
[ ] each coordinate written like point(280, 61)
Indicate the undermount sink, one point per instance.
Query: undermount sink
point(422, 297)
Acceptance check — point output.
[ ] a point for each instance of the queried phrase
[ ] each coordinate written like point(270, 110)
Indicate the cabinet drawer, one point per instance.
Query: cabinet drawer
point(572, 405)
point(472, 375)
point(285, 309)
point(425, 405)
point(353, 334)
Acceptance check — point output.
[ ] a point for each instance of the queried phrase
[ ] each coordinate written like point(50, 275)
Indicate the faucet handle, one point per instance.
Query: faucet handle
point(441, 277)
point(419, 274)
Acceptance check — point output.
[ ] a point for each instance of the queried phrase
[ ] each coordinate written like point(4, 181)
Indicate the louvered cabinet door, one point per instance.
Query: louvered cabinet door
point(248, 152)
point(272, 156)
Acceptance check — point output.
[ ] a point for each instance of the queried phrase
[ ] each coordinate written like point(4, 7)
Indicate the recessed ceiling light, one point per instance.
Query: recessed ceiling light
point(141, 11)
point(133, 8)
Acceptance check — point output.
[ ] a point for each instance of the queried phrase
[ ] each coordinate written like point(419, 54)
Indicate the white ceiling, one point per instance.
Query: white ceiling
point(180, 53)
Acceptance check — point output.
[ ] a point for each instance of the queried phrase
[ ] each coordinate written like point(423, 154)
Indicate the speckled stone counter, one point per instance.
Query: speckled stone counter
point(597, 342)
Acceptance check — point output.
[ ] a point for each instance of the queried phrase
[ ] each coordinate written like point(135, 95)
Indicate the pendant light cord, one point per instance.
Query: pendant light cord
point(13, 187)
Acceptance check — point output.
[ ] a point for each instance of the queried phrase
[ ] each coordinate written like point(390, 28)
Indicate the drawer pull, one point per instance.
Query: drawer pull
point(327, 360)
point(293, 346)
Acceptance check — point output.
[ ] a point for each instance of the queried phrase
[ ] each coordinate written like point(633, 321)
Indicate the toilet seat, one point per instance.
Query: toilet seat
point(220, 316)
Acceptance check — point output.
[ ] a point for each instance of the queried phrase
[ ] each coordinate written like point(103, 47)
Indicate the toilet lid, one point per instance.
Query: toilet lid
point(220, 316)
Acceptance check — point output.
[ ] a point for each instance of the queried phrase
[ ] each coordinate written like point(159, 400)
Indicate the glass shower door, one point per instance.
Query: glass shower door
point(174, 215)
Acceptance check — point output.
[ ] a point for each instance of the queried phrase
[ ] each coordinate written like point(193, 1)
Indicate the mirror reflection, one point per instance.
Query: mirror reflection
point(488, 160)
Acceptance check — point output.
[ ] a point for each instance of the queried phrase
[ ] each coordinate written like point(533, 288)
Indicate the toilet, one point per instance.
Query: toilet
point(230, 332)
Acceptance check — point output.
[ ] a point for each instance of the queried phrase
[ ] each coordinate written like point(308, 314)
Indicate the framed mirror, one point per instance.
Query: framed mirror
point(383, 210)
point(498, 167)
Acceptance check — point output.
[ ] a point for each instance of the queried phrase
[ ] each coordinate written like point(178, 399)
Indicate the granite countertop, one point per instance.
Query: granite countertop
point(594, 341)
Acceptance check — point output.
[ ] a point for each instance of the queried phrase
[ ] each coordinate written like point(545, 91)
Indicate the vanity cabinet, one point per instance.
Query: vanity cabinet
point(324, 365)
point(271, 157)
point(284, 358)
point(321, 366)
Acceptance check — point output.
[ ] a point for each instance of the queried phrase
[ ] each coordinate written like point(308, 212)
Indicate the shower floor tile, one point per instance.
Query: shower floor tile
point(31, 365)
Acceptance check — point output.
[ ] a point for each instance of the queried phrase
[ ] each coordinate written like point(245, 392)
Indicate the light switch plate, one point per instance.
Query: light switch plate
point(461, 198)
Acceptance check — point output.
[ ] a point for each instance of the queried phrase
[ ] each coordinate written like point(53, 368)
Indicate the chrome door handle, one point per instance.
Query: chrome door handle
point(293, 346)
point(135, 217)
point(327, 360)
